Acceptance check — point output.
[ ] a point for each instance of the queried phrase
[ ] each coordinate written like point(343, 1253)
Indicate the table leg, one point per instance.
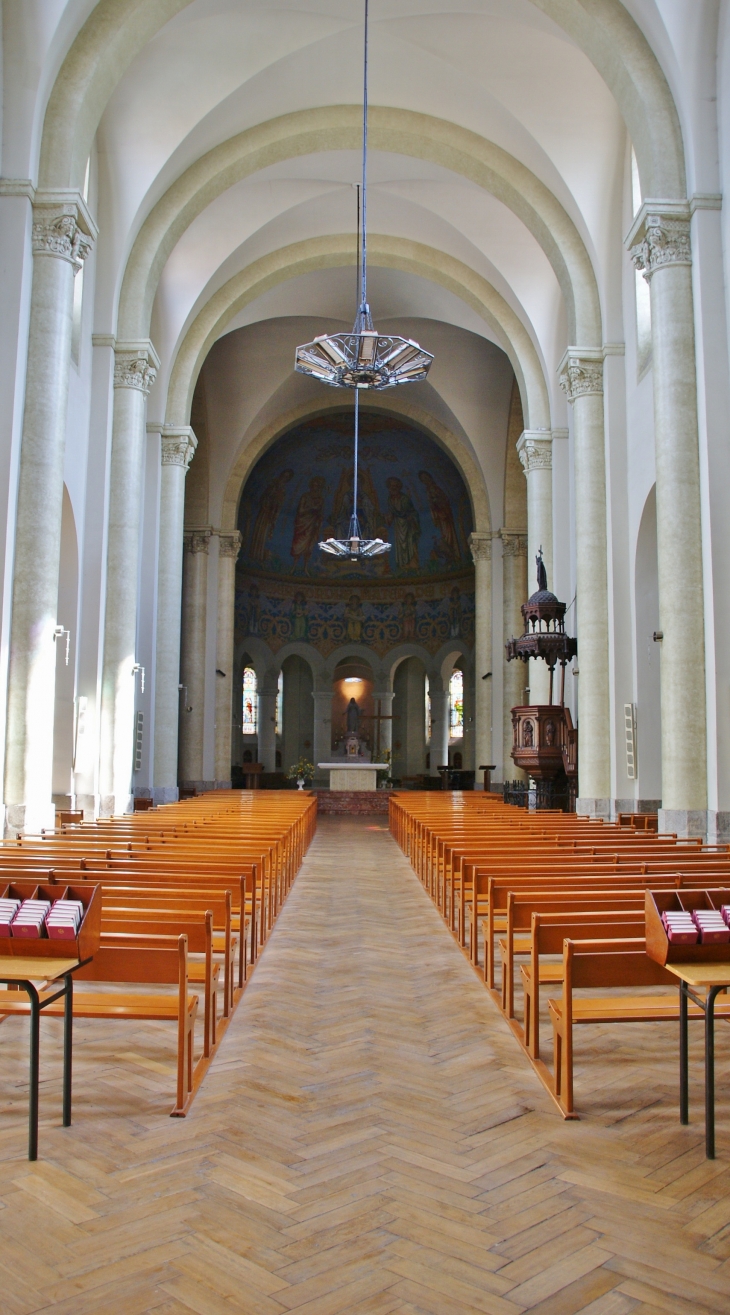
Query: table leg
point(68, 1023)
point(710, 1071)
point(683, 1056)
point(35, 1030)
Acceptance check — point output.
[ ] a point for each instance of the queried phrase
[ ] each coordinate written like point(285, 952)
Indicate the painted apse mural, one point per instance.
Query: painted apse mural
point(410, 493)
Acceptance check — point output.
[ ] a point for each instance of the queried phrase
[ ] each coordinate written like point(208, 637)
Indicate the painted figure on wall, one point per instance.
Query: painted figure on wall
point(268, 514)
point(447, 544)
point(408, 617)
point(354, 616)
point(298, 617)
point(254, 609)
point(308, 521)
point(455, 613)
point(406, 523)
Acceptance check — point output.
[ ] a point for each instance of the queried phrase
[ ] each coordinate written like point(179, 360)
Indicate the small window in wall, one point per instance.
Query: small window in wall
point(250, 702)
point(456, 705)
point(428, 710)
point(642, 293)
point(280, 705)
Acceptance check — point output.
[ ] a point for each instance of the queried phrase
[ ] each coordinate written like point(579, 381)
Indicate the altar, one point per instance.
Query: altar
point(346, 775)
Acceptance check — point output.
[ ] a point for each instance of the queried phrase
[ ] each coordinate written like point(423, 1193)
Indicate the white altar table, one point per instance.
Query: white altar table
point(353, 775)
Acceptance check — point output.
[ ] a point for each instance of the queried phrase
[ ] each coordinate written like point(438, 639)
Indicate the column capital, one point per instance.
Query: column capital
point(62, 227)
point(581, 372)
point(481, 547)
point(196, 540)
point(177, 446)
point(514, 543)
point(229, 545)
point(535, 450)
point(135, 365)
point(659, 236)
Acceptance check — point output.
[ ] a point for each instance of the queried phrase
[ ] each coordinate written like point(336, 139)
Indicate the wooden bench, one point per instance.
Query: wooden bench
point(619, 965)
point(160, 964)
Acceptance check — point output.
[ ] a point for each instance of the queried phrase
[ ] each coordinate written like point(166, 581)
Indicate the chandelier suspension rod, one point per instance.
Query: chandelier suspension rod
point(354, 481)
point(363, 297)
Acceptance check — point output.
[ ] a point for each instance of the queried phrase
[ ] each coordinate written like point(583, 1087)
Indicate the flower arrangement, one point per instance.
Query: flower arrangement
point(301, 772)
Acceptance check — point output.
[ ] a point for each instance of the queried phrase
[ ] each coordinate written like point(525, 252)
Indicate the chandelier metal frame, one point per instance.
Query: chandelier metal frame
point(363, 358)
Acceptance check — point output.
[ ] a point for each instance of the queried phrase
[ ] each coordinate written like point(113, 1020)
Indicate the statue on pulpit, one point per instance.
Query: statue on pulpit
point(353, 718)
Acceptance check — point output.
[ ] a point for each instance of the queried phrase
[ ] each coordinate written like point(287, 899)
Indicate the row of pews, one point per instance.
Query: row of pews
point(189, 894)
point(550, 908)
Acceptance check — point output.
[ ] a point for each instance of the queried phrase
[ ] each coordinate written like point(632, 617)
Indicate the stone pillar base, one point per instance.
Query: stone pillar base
point(588, 807)
point(634, 806)
point(14, 818)
point(200, 786)
point(718, 828)
point(165, 794)
point(222, 785)
point(90, 805)
point(685, 822)
point(111, 805)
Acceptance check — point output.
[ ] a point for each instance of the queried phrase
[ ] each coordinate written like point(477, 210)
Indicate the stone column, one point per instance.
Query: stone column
point(177, 450)
point(515, 677)
point(385, 698)
point(229, 546)
point(63, 234)
point(322, 752)
point(135, 370)
point(481, 551)
point(581, 378)
point(439, 727)
point(267, 696)
point(660, 246)
point(535, 448)
point(192, 656)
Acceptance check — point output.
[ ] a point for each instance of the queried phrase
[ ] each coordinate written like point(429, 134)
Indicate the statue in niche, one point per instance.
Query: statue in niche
point(353, 718)
point(550, 734)
point(527, 735)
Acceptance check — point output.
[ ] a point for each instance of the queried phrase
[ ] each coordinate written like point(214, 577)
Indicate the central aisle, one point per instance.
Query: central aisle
point(370, 1139)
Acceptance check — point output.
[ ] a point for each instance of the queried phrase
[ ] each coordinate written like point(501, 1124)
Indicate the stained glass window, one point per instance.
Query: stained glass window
point(456, 705)
point(250, 702)
point(280, 705)
point(428, 711)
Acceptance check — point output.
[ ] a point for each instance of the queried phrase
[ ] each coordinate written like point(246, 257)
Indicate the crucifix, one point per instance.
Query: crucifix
point(379, 717)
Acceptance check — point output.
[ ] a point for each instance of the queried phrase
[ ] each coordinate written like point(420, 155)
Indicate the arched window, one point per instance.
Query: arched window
point(428, 710)
point(456, 705)
point(250, 702)
point(280, 705)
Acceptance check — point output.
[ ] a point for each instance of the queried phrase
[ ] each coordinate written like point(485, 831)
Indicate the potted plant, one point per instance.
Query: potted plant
point(301, 772)
point(384, 781)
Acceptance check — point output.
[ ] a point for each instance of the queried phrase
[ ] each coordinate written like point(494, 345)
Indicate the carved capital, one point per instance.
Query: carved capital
point(61, 229)
point(229, 545)
point(535, 450)
point(660, 236)
point(581, 372)
point(481, 547)
point(513, 544)
point(178, 447)
point(196, 540)
point(134, 369)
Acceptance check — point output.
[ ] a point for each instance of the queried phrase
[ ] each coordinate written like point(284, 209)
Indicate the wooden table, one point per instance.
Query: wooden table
point(24, 972)
point(714, 977)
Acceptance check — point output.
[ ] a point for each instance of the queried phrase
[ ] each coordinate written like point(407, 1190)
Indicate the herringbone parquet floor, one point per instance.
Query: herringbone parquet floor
point(369, 1139)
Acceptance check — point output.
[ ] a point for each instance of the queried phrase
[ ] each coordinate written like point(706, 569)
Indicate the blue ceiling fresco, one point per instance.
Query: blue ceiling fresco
point(300, 491)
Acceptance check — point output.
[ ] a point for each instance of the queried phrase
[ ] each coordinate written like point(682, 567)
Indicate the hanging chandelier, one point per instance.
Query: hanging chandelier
point(363, 358)
point(354, 547)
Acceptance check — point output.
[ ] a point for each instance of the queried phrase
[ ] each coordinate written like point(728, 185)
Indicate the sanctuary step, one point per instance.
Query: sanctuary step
point(352, 801)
